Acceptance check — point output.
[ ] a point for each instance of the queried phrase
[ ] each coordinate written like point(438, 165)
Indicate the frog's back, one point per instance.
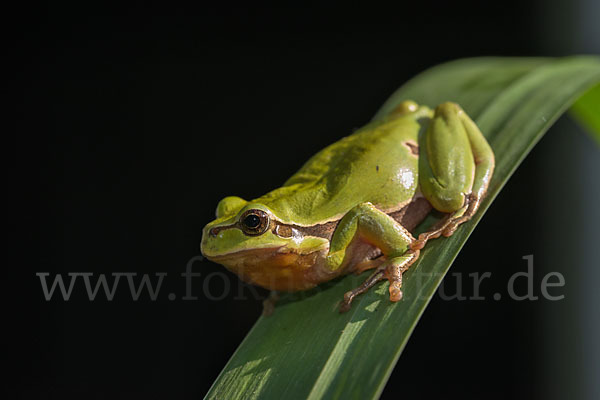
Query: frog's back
point(378, 164)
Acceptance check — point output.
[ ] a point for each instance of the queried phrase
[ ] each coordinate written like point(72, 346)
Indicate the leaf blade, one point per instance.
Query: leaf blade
point(306, 349)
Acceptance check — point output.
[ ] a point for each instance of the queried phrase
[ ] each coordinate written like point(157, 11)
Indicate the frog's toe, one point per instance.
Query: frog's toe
point(394, 272)
point(395, 291)
point(419, 243)
point(347, 302)
point(449, 231)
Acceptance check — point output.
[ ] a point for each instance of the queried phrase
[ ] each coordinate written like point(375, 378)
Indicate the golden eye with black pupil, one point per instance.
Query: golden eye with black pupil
point(254, 222)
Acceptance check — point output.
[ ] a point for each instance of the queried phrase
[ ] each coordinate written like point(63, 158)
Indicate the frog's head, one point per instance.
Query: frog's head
point(249, 239)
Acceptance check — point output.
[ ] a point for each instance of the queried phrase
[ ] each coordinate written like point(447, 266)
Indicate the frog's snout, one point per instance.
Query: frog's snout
point(208, 234)
point(214, 231)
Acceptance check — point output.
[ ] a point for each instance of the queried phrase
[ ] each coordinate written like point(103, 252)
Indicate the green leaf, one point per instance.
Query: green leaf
point(306, 349)
point(587, 111)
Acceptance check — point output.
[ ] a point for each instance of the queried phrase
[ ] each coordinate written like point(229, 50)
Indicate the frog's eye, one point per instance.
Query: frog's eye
point(254, 222)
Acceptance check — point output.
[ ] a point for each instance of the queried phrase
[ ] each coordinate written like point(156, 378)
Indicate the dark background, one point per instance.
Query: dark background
point(133, 123)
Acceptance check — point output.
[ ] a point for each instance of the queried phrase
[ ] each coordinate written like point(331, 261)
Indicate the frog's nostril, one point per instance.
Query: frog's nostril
point(213, 232)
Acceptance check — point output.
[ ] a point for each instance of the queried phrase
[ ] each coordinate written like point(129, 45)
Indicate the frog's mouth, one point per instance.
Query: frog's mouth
point(243, 254)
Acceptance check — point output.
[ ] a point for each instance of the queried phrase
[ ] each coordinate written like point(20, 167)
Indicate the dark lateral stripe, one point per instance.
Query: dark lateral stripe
point(409, 217)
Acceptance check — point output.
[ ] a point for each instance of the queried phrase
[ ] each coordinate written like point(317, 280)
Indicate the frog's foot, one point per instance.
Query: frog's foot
point(391, 270)
point(269, 303)
point(448, 225)
point(375, 277)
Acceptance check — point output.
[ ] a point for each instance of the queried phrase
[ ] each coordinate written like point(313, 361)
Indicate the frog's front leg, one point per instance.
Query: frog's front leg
point(455, 167)
point(366, 223)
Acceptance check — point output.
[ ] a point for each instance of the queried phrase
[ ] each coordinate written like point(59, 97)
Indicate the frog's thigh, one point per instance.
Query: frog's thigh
point(365, 222)
point(455, 160)
point(446, 162)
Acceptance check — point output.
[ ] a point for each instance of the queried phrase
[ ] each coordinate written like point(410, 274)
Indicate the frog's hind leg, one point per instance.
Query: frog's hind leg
point(455, 166)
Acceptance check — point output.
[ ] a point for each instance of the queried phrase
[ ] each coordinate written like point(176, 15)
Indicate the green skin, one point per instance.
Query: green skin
point(336, 214)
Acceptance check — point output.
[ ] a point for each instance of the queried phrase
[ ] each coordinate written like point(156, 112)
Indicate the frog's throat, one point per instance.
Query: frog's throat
point(275, 268)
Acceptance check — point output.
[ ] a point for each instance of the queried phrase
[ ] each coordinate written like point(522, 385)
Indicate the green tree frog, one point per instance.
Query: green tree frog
point(353, 205)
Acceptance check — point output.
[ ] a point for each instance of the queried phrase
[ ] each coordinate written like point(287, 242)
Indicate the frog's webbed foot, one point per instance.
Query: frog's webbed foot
point(447, 226)
point(269, 303)
point(391, 270)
